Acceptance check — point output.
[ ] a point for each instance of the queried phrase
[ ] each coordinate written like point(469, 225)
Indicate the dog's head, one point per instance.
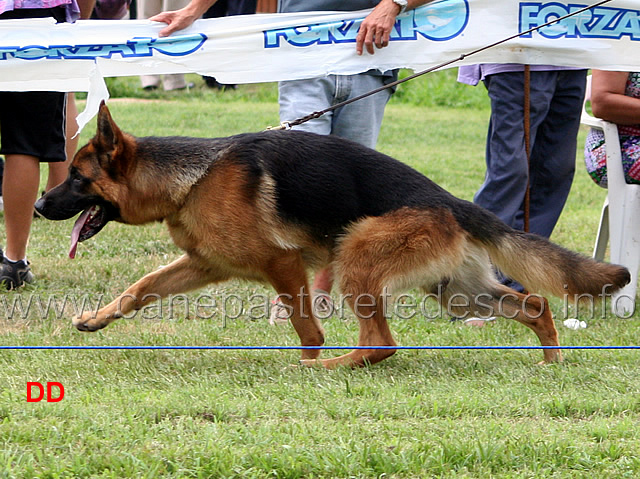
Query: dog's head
point(93, 185)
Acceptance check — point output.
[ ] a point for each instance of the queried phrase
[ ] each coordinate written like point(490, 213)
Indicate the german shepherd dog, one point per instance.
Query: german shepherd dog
point(269, 206)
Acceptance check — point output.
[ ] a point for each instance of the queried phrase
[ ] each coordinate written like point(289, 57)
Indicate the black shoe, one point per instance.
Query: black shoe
point(15, 274)
point(213, 83)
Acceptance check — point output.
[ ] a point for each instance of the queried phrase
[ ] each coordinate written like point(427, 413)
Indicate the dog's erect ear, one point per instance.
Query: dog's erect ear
point(108, 137)
point(110, 144)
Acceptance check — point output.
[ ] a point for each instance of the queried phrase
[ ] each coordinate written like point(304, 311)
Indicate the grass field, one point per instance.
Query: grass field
point(246, 414)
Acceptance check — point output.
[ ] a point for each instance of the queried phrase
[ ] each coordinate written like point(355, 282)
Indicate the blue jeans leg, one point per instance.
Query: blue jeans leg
point(359, 121)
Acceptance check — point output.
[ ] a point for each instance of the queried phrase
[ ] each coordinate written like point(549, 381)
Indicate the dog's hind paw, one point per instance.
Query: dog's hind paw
point(311, 363)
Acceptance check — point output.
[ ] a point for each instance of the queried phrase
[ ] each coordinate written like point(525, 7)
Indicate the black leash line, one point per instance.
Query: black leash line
point(286, 125)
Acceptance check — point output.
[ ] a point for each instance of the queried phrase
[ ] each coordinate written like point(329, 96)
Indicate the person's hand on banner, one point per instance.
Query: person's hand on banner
point(376, 28)
point(183, 18)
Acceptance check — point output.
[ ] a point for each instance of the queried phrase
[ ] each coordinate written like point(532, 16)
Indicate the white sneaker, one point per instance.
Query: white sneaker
point(323, 307)
point(573, 323)
point(279, 312)
point(478, 322)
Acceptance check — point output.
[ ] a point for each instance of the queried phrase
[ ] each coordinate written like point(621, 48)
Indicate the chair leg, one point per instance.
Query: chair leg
point(624, 238)
point(623, 303)
point(603, 233)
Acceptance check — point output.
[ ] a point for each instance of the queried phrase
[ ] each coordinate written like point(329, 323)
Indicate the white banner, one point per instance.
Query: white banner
point(36, 54)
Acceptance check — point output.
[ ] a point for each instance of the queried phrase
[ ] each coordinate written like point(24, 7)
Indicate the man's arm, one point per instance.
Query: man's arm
point(181, 19)
point(376, 28)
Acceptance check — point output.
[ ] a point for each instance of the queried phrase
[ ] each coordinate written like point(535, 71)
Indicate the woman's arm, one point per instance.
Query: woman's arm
point(608, 99)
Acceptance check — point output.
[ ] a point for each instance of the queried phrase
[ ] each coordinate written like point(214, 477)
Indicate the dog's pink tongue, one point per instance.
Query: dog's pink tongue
point(75, 233)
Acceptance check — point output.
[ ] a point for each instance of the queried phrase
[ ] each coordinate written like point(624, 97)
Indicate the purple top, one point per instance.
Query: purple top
point(73, 12)
point(473, 74)
point(6, 5)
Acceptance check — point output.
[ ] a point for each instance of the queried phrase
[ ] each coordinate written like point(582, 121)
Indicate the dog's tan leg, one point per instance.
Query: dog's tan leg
point(287, 275)
point(534, 312)
point(374, 331)
point(178, 277)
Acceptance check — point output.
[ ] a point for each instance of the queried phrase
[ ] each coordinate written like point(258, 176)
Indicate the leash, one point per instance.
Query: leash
point(527, 144)
point(287, 125)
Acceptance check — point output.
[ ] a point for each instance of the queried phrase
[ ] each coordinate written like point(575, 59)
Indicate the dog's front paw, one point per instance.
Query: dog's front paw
point(90, 322)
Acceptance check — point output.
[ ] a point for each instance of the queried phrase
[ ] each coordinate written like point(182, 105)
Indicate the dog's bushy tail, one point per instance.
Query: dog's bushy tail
point(544, 267)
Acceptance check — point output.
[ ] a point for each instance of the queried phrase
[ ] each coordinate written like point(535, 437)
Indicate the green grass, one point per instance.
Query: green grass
point(254, 413)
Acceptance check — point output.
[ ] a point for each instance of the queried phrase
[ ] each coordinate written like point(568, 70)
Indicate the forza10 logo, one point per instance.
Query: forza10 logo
point(438, 22)
point(599, 22)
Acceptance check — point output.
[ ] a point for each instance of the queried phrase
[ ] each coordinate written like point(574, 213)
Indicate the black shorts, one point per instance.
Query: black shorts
point(33, 123)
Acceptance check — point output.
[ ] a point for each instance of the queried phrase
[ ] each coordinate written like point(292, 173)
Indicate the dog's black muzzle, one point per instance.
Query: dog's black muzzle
point(62, 203)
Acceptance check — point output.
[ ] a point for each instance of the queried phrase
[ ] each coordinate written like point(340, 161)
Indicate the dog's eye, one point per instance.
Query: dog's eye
point(76, 179)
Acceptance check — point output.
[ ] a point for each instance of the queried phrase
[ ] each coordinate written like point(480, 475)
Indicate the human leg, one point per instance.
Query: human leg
point(242, 7)
point(321, 303)
point(553, 153)
point(146, 9)
point(20, 191)
point(224, 8)
point(506, 177)
point(299, 98)
point(32, 130)
point(361, 120)
point(174, 81)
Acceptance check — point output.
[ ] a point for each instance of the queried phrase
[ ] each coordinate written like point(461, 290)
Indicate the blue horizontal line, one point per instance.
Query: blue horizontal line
point(262, 348)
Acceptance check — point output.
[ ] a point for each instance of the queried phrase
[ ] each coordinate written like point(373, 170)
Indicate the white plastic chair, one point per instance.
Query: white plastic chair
point(620, 219)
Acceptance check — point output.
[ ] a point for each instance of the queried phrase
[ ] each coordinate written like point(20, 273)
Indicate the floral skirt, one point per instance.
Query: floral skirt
point(595, 157)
